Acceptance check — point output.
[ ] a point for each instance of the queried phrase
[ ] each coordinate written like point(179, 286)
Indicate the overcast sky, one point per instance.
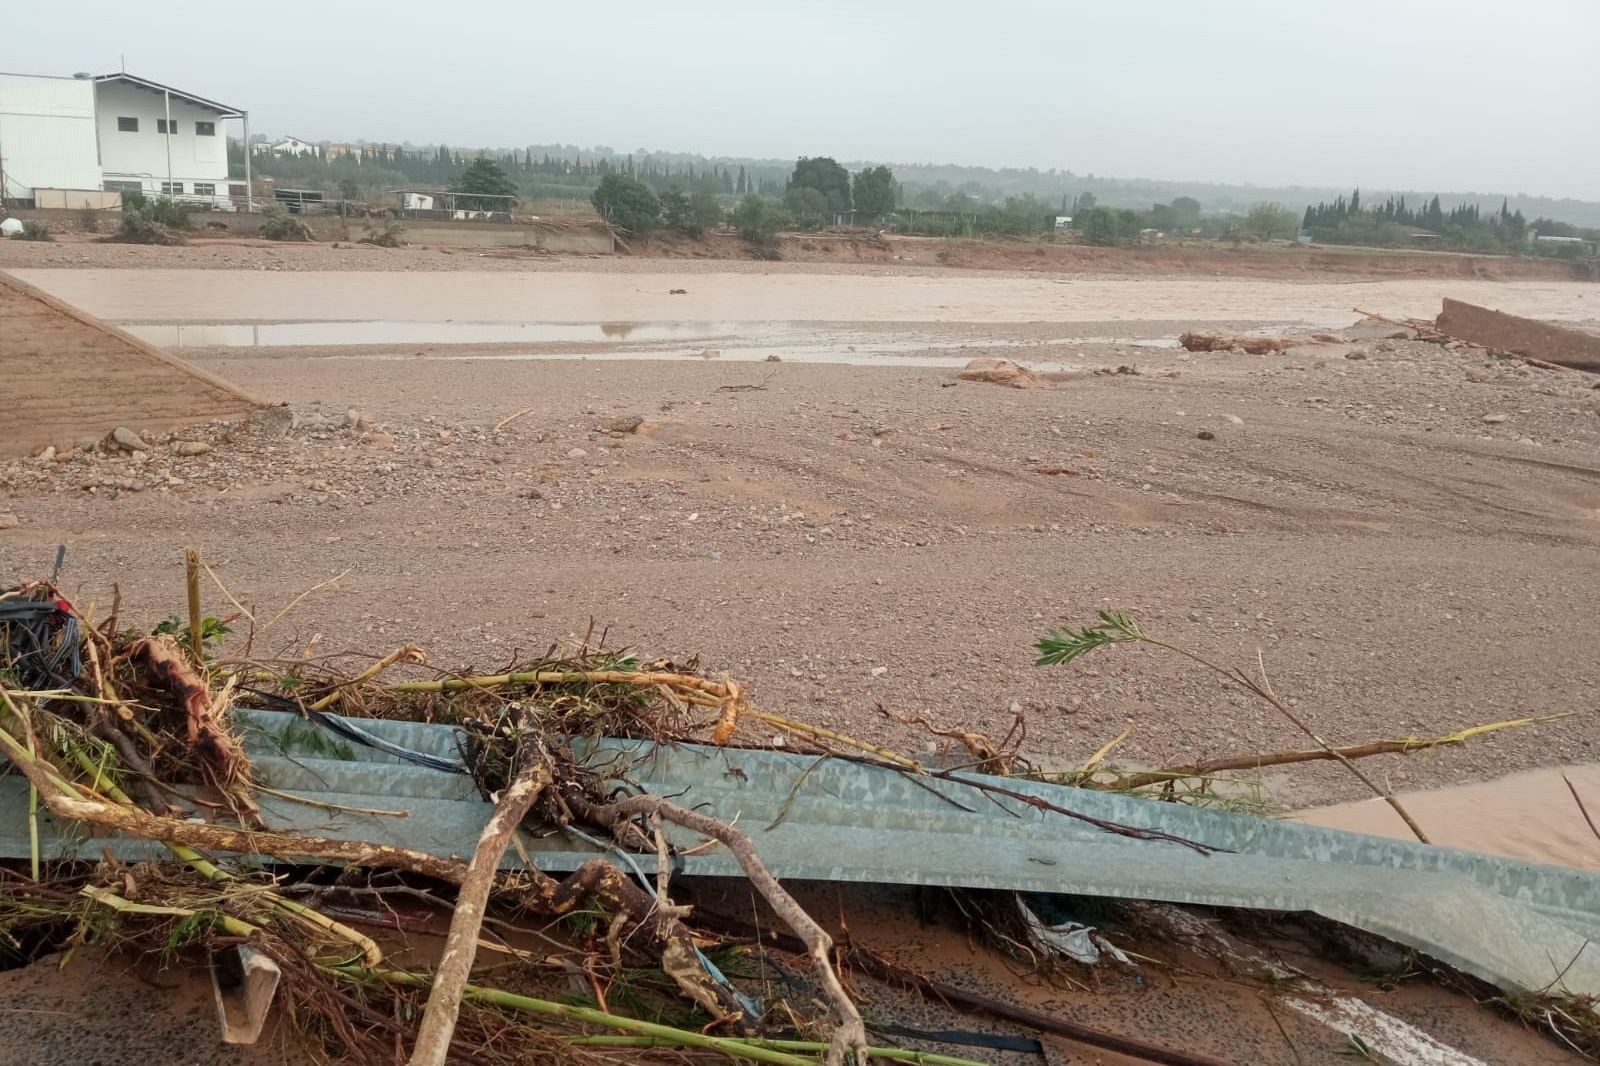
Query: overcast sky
point(1426, 94)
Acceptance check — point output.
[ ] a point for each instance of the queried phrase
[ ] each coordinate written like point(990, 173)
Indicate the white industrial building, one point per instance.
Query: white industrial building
point(63, 139)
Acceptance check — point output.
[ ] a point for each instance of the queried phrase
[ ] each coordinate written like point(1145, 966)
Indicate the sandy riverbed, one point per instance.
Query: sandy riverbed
point(1404, 566)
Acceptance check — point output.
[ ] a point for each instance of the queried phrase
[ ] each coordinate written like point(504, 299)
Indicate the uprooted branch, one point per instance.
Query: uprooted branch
point(1401, 746)
point(219, 752)
point(461, 944)
point(533, 890)
point(850, 1037)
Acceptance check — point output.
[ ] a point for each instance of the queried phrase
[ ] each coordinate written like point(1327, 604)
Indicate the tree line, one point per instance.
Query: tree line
point(1464, 227)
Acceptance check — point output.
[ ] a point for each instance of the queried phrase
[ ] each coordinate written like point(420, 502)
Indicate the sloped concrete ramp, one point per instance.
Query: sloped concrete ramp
point(65, 375)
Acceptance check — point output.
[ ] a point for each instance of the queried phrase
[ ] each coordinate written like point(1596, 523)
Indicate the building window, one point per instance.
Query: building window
point(172, 188)
point(163, 126)
point(123, 186)
point(204, 188)
point(237, 191)
point(205, 129)
point(126, 124)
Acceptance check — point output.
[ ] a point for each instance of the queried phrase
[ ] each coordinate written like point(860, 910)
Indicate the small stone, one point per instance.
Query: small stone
point(774, 358)
point(1206, 434)
point(879, 671)
point(191, 447)
point(1477, 377)
point(273, 421)
point(379, 440)
point(433, 462)
point(1235, 419)
point(1356, 354)
point(1495, 418)
point(352, 419)
point(622, 424)
point(9, 520)
point(48, 455)
point(128, 440)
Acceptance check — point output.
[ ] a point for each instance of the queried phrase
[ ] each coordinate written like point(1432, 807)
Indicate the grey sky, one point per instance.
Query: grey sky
point(1427, 94)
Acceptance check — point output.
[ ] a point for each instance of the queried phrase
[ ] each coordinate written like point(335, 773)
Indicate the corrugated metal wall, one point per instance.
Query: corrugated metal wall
point(47, 134)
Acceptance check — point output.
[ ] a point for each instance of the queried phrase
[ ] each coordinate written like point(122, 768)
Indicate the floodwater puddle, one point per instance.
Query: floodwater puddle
point(800, 342)
point(1531, 816)
point(335, 334)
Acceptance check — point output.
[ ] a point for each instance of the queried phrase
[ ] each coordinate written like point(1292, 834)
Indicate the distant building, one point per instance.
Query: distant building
point(342, 151)
point(289, 146)
point(1063, 222)
point(117, 133)
point(162, 141)
point(47, 135)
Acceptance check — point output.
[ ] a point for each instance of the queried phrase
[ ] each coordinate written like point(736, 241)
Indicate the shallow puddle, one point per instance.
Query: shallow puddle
point(1530, 815)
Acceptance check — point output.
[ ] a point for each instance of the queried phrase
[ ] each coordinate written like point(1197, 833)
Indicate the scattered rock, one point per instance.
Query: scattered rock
point(1496, 417)
point(879, 671)
point(1356, 354)
point(1329, 338)
point(191, 447)
point(1202, 341)
point(353, 419)
point(9, 520)
point(577, 453)
point(1477, 377)
point(1206, 434)
point(1002, 372)
point(433, 462)
point(774, 358)
point(128, 440)
point(378, 440)
point(47, 454)
point(677, 292)
point(273, 421)
point(1235, 419)
point(622, 424)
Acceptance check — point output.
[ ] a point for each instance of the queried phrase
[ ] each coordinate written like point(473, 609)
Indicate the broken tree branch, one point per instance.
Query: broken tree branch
point(461, 944)
point(1403, 746)
point(850, 1037)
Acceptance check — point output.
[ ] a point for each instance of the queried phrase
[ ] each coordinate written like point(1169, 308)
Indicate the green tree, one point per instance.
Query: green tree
point(627, 204)
point(873, 191)
point(1098, 225)
point(827, 177)
point(705, 212)
point(484, 177)
point(757, 222)
point(1269, 221)
point(690, 215)
point(675, 209)
point(806, 206)
point(1083, 203)
point(1186, 210)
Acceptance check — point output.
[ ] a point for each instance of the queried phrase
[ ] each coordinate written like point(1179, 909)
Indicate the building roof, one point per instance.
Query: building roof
point(157, 87)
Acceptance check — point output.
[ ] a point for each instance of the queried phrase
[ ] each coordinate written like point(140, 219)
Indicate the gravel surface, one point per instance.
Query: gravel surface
point(1407, 536)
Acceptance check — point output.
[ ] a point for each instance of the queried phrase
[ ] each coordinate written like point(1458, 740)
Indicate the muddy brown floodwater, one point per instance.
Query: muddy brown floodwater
point(266, 296)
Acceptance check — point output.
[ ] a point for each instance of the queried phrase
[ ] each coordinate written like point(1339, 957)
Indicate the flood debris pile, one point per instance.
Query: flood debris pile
point(143, 740)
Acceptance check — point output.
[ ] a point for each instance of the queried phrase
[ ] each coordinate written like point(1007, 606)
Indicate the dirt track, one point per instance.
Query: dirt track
point(843, 535)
